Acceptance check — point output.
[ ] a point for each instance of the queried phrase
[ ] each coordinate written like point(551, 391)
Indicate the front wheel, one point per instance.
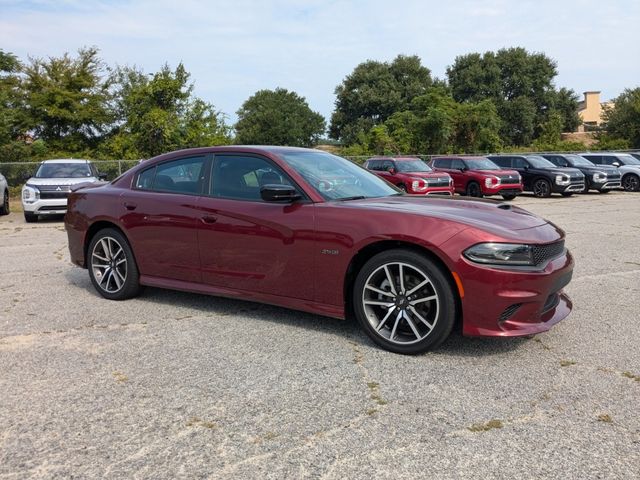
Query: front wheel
point(30, 217)
point(111, 265)
point(631, 182)
point(542, 188)
point(404, 302)
point(402, 187)
point(567, 194)
point(4, 207)
point(473, 190)
point(508, 197)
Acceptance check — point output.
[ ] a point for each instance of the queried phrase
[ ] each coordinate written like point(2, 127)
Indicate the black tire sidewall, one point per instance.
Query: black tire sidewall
point(631, 176)
point(446, 310)
point(131, 285)
point(470, 185)
point(548, 188)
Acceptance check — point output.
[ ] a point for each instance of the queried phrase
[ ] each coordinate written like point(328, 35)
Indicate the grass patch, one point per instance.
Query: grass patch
point(567, 363)
point(631, 376)
point(197, 422)
point(485, 427)
point(605, 417)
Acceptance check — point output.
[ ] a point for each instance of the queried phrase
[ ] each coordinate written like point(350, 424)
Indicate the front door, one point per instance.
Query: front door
point(249, 244)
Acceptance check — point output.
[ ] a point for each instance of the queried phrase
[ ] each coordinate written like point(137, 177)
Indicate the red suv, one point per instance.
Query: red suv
point(411, 175)
point(479, 176)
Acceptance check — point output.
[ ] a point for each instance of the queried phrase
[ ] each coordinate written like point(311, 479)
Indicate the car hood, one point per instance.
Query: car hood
point(598, 168)
point(488, 215)
point(425, 174)
point(572, 172)
point(60, 181)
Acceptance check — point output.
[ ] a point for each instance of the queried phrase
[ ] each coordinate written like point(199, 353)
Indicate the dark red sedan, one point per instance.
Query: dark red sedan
point(308, 230)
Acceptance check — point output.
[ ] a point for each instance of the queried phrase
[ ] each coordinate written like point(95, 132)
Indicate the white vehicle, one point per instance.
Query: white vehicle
point(4, 196)
point(46, 192)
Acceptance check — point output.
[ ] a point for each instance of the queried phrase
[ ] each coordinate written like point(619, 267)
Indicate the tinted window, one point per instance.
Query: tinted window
point(374, 165)
point(519, 162)
point(184, 175)
point(504, 162)
point(145, 179)
point(481, 164)
point(457, 164)
point(595, 159)
point(442, 163)
point(386, 165)
point(557, 160)
point(241, 177)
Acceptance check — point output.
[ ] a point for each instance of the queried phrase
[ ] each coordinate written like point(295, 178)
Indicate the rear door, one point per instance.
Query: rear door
point(161, 218)
point(246, 243)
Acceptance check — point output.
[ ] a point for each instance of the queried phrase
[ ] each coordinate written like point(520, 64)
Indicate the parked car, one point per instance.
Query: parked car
point(628, 165)
point(46, 192)
point(479, 176)
point(635, 155)
point(542, 177)
point(4, 192)
point(602, 178)
point(268, 224)
point(411, 175)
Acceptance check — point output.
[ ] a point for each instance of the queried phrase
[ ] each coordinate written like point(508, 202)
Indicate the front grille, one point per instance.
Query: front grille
point(509, 312)
point(52, 207)
point(509, 179)
point(612, 177)
point(543, 253)
point(54, 188)
point(576, 178)
point(437, 182)
point(50, 195)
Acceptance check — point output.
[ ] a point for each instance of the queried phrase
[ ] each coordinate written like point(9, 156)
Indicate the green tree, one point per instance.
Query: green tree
point(373, 92)
point(623, 120)
point(520, 84)
point(158, 113)
point(66, 101)
point(11, 105)
point(278, 117)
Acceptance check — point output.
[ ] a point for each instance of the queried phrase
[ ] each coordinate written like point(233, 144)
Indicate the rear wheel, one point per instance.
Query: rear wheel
point(403, 187)
point(473, 190)
point(30, 217)
point(631, 182)
point(404, 302)
point(4, 207)
point(112, 267)
point(567, 194)
point(605, 191)
point(508, 197)
point(541, 188)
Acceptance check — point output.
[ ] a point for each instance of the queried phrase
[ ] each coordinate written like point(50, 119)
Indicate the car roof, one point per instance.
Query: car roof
point(461, 157)
point(400, 159)
point(66, 160)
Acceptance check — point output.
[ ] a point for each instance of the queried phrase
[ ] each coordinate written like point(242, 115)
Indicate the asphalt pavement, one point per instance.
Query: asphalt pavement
point(177, 385)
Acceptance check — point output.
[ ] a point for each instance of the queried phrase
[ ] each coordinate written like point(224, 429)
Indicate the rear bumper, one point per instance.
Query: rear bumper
point(522, 303)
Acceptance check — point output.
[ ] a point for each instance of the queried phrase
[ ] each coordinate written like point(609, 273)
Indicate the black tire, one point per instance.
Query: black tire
point(4, 207)
point(402, 187)
point(567, 194)
point(413, 327)
point(631, 182)
point(111, 279)
point(30, 217)
point(606, 190)
point(541, 188)
point(508, 197)
point(474, 190)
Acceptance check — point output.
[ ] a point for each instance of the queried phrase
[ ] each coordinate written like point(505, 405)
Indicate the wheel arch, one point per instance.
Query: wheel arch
point(94, 229)
point(368, 251)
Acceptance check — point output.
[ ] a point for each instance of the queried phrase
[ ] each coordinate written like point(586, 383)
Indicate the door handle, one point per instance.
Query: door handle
point(209, 219)
point(130, 206)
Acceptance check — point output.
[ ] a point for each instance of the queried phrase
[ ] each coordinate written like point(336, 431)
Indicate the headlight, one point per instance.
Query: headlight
point(492, 182)
point(419, 185)
point(500, 254)
point(562, 179)
point(30, 194)
point(450, 181)
point(599, 177)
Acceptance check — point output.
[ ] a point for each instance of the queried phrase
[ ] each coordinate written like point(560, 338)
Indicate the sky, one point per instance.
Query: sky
point(234, 48)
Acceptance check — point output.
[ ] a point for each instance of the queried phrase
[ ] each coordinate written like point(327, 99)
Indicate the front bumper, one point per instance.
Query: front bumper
point(54, 206)
point(607, 185)
point(506, 189)
point(521, 302)
point(571, 188)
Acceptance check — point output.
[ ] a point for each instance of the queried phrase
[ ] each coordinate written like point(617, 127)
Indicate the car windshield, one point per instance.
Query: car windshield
point(629, 159)
point(539, 162)
point(578, 161)
point(481, 164)
point(416, 165)
point(336, 178)
point(64, 170)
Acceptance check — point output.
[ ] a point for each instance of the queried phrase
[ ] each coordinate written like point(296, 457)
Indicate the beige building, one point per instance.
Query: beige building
point(591, 109)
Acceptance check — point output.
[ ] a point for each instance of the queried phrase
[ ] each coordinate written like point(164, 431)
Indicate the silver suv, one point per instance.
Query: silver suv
point(46, 192)
point(4, 196)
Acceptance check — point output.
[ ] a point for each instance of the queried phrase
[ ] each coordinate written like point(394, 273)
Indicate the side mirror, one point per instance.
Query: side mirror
point(26, 176)
point(464, 169)
point(279, 193)
point(616, 164)
point(391, 170)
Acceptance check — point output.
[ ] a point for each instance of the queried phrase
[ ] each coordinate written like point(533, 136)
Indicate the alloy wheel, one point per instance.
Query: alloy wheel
point(400, 303)
point(541, 188)
point(109, 264)
point(631, 183)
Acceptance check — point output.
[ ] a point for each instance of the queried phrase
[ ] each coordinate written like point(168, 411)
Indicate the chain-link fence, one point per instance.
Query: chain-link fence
point(17, 173)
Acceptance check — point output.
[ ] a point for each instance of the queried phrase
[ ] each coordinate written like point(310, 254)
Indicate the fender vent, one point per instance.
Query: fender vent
point(509, 312)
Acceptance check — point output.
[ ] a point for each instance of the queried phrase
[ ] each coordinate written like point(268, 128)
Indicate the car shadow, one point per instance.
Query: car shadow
point(456, 345)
